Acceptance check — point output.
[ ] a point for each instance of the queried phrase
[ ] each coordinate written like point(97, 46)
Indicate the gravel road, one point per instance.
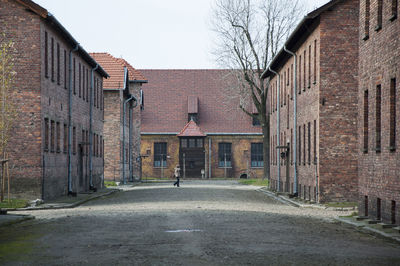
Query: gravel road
point(200, 223)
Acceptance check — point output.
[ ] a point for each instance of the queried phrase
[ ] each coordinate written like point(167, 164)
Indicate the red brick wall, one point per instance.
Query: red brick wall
point(38, 172)
point(379, 63)
point(338, 116)
point(23, 28)
point(326, 94)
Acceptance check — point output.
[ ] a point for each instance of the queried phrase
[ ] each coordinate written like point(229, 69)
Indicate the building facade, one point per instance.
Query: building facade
point(190, 120)
point(313, 106)
point(122, 91)
point(57, 135)
point(379, 111)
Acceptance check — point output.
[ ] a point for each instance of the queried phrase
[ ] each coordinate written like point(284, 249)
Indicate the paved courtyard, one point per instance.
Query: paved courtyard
point(200, 223)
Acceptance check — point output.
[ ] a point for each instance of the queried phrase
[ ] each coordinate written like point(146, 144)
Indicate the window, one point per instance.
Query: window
point(94, 92)
point(87, 142)
point(304, 144)
point(101, 146)
point(52, 135)
point(199, 143)
point(74, 140)
point(365, 128)
point(309, 142)
point(315, 142)
point(74, 70)
point(315, 61)
point(83, 139)
point(46, 55)
point(184, 143)
point(299, 79)
point(46, 134)
point(65, 138)
point(256, 121)
point(392, 142)
point(79, 81)
point(379, 15)
point(83, 83)
point(257, 155)
point(366, 19)
point(87, 85)
point(378, 118)
point(291, 82)
point(304, 70)
point(58, 64)
point(291, 146)
point(65, 69)
point(192, 143)
point(160, 154)
point(224, 154)
point(299, 145)
point(309, 66)
point(394, 10)
point(52, 58)
point(58, 132)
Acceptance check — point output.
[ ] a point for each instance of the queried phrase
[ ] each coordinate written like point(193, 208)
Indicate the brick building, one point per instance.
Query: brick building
point(50, 145)
point(190, 120)
point(121, 141)
point(379, 110)
point(314, 106)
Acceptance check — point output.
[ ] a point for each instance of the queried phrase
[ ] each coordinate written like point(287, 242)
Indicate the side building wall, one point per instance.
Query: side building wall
point(379, 116)
point(241, 152)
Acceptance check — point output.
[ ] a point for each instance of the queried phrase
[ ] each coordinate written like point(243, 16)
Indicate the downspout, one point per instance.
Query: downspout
point(123, 136)
point(70, 119)
point(278, 125)
point(91, 127)
point(295, 185)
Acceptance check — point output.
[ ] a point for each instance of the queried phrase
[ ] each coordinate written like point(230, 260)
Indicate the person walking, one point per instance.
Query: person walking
point(177, 175)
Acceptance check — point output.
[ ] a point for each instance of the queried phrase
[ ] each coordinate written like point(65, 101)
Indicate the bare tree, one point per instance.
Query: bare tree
point(7, 107)
point(249, 33)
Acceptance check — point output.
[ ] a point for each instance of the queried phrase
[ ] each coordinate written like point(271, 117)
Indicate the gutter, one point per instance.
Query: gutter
point(70, 192)
point(123, 135)
point(278, 126)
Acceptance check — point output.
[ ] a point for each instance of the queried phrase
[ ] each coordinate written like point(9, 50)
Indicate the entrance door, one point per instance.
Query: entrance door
point(192, 157)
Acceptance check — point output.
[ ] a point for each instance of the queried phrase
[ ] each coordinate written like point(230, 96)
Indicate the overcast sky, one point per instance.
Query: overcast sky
point(158, 34)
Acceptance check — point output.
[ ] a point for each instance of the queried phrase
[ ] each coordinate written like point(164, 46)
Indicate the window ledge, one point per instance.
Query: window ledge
point(392, 148)
point(378, 150)
point(315, 82)
point(309, 86)
point(393, 17)
point(159, 167)
point(366, 37)
point(365, 151)
point(378, 27)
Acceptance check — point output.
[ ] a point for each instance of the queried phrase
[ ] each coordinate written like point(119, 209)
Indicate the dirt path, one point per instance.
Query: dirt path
point(201, 223)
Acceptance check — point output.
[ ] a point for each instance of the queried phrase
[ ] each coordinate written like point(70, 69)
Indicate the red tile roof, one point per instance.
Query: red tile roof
point(166, 102)
point(115, 68)
point(191, 130)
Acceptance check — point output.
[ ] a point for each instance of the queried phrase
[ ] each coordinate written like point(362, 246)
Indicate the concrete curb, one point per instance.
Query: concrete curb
point(16, 218)
point(368, 229)
point(65, 205)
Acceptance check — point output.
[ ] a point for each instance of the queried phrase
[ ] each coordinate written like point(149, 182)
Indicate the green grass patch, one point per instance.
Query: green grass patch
point(14, 203)
point(341, 204)
point(110, 183)
point(254, 182)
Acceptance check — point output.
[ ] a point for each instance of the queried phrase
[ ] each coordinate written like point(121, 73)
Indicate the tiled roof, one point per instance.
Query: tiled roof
point(166, 102)
point(191, 130)
point(115, 68)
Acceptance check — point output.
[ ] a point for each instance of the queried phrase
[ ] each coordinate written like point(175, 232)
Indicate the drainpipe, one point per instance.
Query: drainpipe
point(295, 185)
point(70, 119)
point(91, 127)
point(278, 125)
point(130, 139)
point(123, 135)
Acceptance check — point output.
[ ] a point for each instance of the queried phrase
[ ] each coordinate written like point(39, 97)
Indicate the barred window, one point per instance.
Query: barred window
point(224, 154)
point(160, 154)
point(378, 117)
point(257, 158)
point(392, 144)
point(46, 134)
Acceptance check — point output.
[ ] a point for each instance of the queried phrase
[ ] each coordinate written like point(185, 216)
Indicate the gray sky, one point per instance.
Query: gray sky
point(147, 33)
